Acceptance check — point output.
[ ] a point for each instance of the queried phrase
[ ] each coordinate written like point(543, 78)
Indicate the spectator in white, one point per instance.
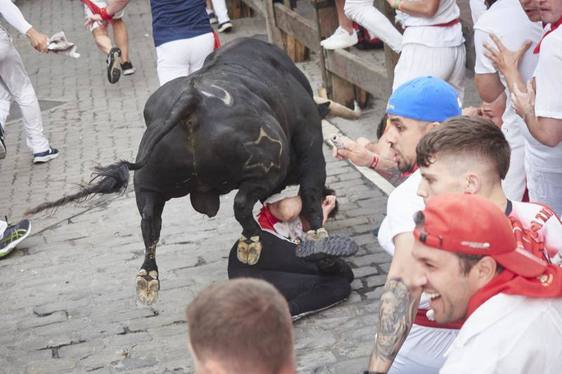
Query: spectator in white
point(432, 43)
point(15, 84)
point(413, 109)
point(477, 8)
point(117, 57)
point(218, 12)
point(346, 36)
point(474, 270)
point(365, 14)
point(182, 34)
point(507, 20)
point(471, 155)
point(241, 326)
point(543, 114)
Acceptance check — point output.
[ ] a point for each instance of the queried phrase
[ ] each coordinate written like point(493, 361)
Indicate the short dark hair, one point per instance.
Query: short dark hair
point(381, 128)
point(465, 135)
point(244, 323)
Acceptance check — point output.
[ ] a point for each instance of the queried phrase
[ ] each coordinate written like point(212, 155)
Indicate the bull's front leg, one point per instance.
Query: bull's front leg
point(150, 206)
point(249, 246)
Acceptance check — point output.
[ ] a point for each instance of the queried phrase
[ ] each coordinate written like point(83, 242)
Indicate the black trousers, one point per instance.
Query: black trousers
point(307, 286)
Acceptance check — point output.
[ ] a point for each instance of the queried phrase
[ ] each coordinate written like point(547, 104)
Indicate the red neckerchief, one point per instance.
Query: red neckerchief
point(553, 26)
point(410, 172)
point(266, 219)
point(548, 285)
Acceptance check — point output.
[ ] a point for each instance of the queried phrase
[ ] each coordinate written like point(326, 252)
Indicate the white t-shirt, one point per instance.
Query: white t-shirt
point(509, 334)
point(507, 20)
point(418, 30)
point(401, 206)
point(548, 102)
point(548, 227)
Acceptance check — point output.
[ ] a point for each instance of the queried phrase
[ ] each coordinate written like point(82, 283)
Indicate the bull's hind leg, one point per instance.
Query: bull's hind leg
point(150, 205)
point(249, 245)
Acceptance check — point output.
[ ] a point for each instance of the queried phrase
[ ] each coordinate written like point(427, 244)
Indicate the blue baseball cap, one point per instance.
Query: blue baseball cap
point(425, 99)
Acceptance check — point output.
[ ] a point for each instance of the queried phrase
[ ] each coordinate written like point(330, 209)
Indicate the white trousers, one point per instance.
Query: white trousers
point(219, 6)
point(179, 58)
point(15, 84)
point(515, 181)
point(423, 351)
point(417, 60)
point(545, 187)
point(364, 13)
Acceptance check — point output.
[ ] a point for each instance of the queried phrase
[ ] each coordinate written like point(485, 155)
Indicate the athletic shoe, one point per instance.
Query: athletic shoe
point(13, 235)
point(340, 39)
point(113, 66)
point(332, 246)
point(41, 158)
point(2, 144)
point(213, 18)
point(225, 27)
point(127, 68)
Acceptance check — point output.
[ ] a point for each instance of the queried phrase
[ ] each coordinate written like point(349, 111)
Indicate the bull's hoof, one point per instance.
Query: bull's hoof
point(319, 234)
point(147, 286)
point(249, 251)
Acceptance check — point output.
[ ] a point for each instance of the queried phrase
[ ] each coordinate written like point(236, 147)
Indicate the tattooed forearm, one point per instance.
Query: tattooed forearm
point(396, 315)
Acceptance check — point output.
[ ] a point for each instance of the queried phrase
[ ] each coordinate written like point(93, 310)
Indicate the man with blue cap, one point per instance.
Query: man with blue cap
point(414, 109)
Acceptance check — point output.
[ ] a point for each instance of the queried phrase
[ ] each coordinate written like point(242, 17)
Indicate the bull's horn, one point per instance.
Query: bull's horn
point(339, 110)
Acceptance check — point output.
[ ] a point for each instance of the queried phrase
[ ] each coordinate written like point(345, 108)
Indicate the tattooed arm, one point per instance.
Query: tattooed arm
point(398, 306)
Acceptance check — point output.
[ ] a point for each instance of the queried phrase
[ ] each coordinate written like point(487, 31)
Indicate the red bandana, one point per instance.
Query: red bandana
point(547, 285)
point(553, 26)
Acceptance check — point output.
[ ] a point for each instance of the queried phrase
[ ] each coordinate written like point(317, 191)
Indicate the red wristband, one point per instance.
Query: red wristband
point(374, 162)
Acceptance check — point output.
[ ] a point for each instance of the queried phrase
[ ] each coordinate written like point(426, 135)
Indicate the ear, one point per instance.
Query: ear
point(473, 184)
point(432, 125)
point(484, 271)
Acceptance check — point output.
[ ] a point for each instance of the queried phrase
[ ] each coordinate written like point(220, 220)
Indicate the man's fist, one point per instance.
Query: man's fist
point(38, 40)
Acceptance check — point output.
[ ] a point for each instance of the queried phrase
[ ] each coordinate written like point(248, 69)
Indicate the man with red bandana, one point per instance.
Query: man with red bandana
point(470, 264)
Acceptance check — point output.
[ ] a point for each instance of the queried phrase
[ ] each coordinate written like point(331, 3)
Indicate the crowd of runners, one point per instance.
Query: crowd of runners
point(475, 283)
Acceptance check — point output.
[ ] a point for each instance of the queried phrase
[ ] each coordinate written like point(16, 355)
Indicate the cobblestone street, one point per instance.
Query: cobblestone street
point(68, 292)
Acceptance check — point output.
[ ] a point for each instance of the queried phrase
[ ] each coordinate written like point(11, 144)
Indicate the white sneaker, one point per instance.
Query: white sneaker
point(340, 39)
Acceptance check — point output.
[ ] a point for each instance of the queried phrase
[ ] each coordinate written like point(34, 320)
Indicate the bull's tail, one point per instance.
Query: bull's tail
point(107, 179)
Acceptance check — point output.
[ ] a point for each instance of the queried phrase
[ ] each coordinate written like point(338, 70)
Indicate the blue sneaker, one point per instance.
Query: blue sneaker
point(41, 158)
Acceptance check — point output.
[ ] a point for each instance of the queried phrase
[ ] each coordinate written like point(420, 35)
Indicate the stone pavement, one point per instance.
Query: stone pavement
point(68, 299)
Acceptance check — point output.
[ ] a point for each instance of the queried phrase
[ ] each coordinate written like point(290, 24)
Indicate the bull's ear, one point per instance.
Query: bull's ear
point(323, 109)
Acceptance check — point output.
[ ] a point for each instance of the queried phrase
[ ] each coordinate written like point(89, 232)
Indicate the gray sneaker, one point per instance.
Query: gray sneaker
point(114, 65)
point(13, 235)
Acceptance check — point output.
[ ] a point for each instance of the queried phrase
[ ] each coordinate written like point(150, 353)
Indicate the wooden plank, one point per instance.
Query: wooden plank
point(296, 26)
point(257, 5)
point(369, 77)
point(274, 35)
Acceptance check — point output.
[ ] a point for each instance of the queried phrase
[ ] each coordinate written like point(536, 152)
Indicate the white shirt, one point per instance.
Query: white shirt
point(13, 16)
point(509, 334)
point(403, 202)
point(549, 231)
point(548, 102)
point(418, 30)
point(507, 20)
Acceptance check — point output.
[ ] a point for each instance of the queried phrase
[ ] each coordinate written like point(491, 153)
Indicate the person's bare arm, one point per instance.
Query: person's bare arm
point(546, 130)
point(489, 86)
point(425, 8)
point(398, 305)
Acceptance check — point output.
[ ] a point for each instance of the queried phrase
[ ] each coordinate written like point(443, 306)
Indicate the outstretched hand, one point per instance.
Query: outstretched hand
point(503, 59)
point(38, 40)
point(353, 151)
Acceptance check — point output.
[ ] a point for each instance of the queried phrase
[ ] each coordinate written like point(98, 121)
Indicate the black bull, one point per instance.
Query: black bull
point(247, 120)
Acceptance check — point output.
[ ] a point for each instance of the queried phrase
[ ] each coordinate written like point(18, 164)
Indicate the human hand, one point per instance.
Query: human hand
point(472, 111)
point(92, 19)
point(524, 102)
point(504, 60)
point(353, 151)
point(38, 40)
